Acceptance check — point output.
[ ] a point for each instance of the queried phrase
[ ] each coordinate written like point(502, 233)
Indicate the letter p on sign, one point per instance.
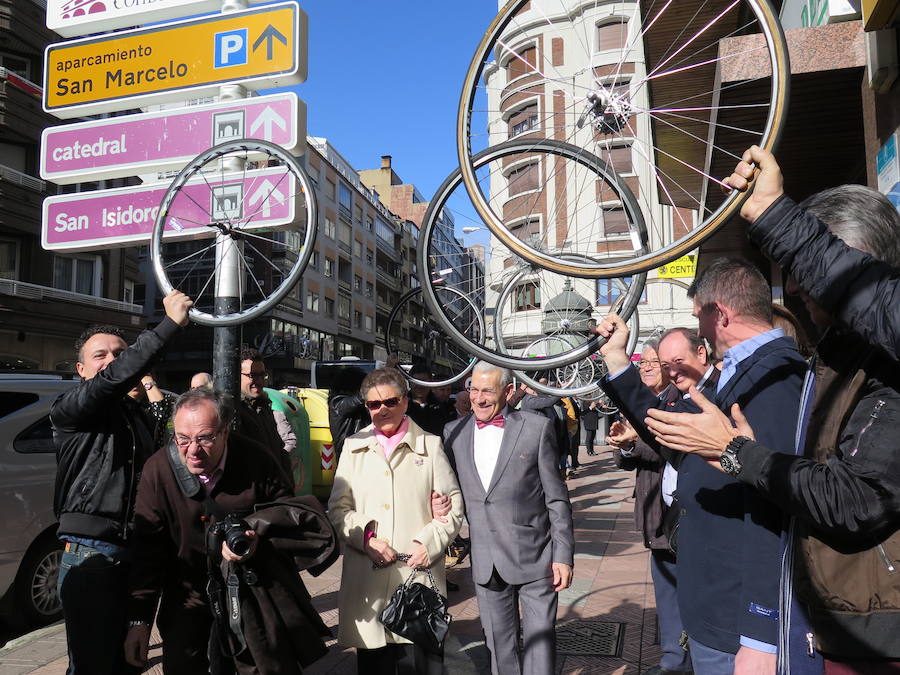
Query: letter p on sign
point(231, 48)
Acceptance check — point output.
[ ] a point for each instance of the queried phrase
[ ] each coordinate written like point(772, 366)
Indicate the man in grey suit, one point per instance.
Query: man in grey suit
point(520, 522)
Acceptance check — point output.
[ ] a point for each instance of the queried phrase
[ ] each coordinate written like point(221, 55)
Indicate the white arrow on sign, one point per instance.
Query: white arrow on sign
point(266, 192)
point(266, 119)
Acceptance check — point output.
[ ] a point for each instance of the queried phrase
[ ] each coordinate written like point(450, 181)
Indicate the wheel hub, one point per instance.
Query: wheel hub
point(608, 111)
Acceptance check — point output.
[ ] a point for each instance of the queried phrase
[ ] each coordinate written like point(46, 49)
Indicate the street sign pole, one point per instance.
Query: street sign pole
point(227, 339)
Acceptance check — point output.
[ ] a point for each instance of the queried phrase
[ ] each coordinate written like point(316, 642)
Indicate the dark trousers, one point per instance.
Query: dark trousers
point(663, 571)
point(573, 450)
point(589, 436)
point(398, 659)
point(185, 638)
point(93, 590)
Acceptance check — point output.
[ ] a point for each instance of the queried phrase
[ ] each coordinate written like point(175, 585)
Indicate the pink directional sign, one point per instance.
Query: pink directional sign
point(165, 140)
point(125, 216)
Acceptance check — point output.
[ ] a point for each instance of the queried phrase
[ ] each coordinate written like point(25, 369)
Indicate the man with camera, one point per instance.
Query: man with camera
point(205, 474)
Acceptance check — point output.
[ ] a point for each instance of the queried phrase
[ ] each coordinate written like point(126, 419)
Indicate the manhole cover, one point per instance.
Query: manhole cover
point(589, 638)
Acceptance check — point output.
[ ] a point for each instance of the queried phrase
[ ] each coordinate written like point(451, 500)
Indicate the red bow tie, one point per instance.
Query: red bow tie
point(495, 421)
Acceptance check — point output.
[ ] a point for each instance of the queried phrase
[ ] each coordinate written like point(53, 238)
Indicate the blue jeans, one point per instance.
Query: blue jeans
point(709, 661)
point(93, 589)
point(663, 569)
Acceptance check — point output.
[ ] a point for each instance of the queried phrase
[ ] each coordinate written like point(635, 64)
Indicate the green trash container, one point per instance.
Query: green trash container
point(322, 458)
point(299, 420)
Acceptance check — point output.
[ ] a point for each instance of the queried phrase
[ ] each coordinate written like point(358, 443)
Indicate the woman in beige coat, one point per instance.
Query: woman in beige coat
point(380, 506)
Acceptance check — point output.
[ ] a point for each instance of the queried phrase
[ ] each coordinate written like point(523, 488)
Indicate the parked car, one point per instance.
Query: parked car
point(30, 553)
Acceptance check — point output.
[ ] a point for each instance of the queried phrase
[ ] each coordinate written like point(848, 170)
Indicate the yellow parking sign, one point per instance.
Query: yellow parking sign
point(260, 47)
point(683, 267)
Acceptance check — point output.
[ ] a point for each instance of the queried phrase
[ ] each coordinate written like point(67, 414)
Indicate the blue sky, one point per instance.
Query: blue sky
point(385, 78)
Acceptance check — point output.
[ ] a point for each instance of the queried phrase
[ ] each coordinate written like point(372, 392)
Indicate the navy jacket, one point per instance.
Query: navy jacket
point(729, 550)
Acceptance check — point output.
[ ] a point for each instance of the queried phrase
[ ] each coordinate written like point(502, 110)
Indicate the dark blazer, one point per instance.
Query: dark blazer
point(729, 536)
point(523, 522)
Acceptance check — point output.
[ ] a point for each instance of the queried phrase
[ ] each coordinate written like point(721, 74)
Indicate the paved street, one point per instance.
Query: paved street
point(611, 585)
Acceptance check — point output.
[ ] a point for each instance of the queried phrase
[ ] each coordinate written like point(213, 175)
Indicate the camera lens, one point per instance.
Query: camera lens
point(238, 542)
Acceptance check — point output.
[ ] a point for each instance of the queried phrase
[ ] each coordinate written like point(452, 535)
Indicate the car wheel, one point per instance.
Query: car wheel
point(36, 596)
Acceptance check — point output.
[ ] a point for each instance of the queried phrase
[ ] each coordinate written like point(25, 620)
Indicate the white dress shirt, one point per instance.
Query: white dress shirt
point(487, 449)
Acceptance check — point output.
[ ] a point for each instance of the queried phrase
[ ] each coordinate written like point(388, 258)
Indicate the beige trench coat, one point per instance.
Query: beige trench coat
point(397, 496)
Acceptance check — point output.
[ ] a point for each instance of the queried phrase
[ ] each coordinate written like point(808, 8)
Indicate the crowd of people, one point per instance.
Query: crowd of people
point(766, 489)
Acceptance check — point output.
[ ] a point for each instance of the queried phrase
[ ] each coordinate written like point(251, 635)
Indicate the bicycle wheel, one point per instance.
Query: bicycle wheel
point(427, 340)
point(244, 215)
point(658, 89)
point(481, 274)
point(585, 382)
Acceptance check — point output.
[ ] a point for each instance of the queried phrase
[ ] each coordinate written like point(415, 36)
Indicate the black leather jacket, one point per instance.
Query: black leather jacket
point(860, 291)
point(102, 440)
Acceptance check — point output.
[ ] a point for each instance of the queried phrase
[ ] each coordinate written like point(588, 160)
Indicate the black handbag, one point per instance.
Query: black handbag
point(418, 613)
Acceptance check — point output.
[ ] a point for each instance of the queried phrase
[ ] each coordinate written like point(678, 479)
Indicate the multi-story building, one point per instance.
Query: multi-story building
point(46, 298)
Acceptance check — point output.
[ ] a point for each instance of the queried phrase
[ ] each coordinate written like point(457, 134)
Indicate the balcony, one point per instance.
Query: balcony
point(20, 289)
point(385, 277)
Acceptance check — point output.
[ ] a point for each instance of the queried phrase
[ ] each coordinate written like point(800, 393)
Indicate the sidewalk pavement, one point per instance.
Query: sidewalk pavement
point(611, 584)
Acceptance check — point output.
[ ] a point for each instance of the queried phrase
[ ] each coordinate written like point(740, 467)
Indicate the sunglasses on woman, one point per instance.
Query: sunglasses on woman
point(388, 402)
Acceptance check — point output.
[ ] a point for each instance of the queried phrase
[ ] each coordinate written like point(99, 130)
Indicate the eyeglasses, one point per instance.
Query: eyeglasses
point(256, 376)
point(388, 402)
point(652, 363)
point(204, 442)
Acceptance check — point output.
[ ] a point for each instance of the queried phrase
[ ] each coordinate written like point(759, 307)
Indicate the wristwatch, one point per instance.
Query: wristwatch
point(729, 458)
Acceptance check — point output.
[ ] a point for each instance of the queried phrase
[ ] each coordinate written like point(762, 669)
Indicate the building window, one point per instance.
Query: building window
point(522, 63)
point(370, 257)
point(357, 319)
point(523, 179)
point(344, 308)
point(357, 214)
point(313, 173)
point(619, 158)
point(526, 230)
point(523, 120)
point(370, 289)
point(312, 302)
point(612, 35)
point(346, 235)
point(128, 292)
point(357, 248)
point(329, 189)
point(16, 63)
point(357, 283)
point(527, 296)
point(329, 268)
point(370, 224)
point(610, 290)
point(314, 260)
point(615, 221)
point(368, 323)
point(81, 275)
point(329, 227)
point(346, 198)
point(329, 307)
point(9, 259)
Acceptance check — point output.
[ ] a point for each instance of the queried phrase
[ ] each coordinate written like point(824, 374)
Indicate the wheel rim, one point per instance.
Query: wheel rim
point(43, 593)
point(532, 77)
point(244, 207)
point(456, 361)
point(596, 170)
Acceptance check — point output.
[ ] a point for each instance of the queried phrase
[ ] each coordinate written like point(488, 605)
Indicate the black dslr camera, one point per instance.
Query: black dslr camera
point(231, 528)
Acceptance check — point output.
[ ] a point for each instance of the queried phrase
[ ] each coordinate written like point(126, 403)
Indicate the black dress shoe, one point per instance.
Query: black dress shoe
point(451, 587)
